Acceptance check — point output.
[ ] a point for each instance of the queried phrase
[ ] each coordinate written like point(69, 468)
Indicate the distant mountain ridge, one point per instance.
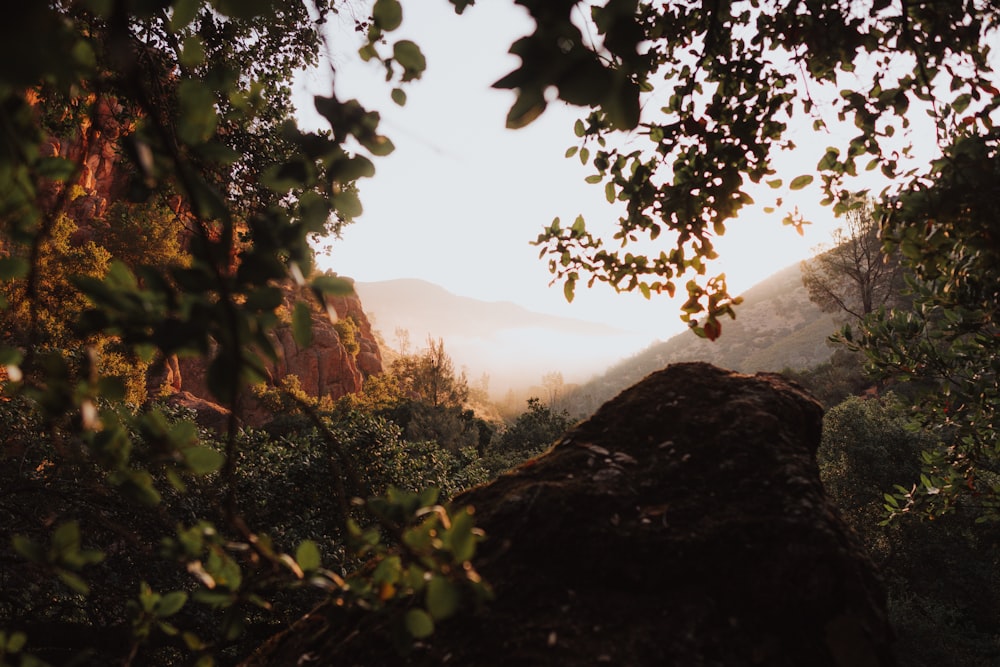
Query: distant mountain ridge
point(405, 301)
point(776, 327)
point(515, 346)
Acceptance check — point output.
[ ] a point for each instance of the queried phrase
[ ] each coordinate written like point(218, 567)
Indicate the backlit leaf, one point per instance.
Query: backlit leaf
point(388, 14)
point(800, 182)
point(198, 118)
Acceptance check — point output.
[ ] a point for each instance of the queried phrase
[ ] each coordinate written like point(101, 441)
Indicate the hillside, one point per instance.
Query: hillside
point(776, 327)
point(514, 346)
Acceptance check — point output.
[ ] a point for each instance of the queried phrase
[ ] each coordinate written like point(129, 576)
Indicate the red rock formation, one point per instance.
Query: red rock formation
point(95, 147)
point(325, 368)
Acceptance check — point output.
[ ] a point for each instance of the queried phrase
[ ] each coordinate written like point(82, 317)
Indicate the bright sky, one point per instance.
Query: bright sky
point(461, 198)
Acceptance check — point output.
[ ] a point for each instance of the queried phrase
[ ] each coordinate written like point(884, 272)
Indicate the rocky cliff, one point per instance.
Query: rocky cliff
point(683, 524)
point(325, 368)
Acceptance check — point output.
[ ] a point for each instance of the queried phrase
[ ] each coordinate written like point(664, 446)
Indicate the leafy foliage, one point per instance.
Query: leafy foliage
point(535, 429)
point(947, 342)
point(690, 103)
point(940, 575)
point(430, 377)
point(214, 195)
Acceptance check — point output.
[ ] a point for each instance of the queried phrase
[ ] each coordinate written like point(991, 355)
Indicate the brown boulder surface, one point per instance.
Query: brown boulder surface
point(683, 524)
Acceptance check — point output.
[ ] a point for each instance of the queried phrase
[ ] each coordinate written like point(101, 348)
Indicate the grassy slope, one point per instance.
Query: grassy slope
point(776, 327)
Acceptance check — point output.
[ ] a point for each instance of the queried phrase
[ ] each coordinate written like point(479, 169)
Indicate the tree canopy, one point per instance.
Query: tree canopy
point(854, 277)
point(706, 94)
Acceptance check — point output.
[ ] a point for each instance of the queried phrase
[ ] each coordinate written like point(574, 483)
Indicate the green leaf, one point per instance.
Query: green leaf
point(112, 388)
point(410, 58)
point(961, 102)
point(351, 169)
point(137, 484)
point(528, 106)
point(348, 204)
point(10, 356)
point(307, 556)
point(302, 324)
point(66, 538)
point(398, 96)
point(442, 598)
point(30, 550)
point(569, 289)
point(203, 460)
point(73, 581)
point(198, 119)
point(378, 145)
point(800, 182)
point(193, 52)
point(419, 623)
point(13, 267)
point(171, 603)
point(183, 12)
point(264, 299)
point(16, 642)
point(333, 285)
point(244, 9)
point(829, 159)
point(387, 14)
point(56, 168)
point(775, 183)
point(462, 537)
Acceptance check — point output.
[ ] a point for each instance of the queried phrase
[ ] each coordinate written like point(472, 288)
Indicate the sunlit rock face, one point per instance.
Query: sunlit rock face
point(324, 368)
point(683, 524)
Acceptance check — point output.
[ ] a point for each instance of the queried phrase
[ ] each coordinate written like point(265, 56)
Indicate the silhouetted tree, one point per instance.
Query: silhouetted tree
point(855, 276)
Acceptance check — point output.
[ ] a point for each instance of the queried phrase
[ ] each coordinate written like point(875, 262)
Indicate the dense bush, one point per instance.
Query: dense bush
point(941, 575)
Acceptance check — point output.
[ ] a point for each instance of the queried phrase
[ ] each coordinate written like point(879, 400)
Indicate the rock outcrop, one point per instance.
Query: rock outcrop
point(325, 368)
point(683, 524)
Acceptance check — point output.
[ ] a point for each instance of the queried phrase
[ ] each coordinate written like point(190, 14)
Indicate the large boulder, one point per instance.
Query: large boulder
point(683, 524)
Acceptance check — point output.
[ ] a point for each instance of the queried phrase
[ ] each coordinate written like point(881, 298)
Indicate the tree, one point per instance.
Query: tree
point(429, 377)
point(689, 103)
point(867, 446)
point(198, 95)
point(855, 276)
point(734, 78)
point(948, 343)
point(554, 386)
point(534, 430)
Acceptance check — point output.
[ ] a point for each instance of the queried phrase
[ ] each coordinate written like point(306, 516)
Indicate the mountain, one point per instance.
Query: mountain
point(776, 327)
point(513, 345)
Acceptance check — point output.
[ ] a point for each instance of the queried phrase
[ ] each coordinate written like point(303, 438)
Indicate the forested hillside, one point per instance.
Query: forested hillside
point(777, 327)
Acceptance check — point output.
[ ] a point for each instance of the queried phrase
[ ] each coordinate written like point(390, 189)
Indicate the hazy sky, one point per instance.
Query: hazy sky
point(461, 198)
